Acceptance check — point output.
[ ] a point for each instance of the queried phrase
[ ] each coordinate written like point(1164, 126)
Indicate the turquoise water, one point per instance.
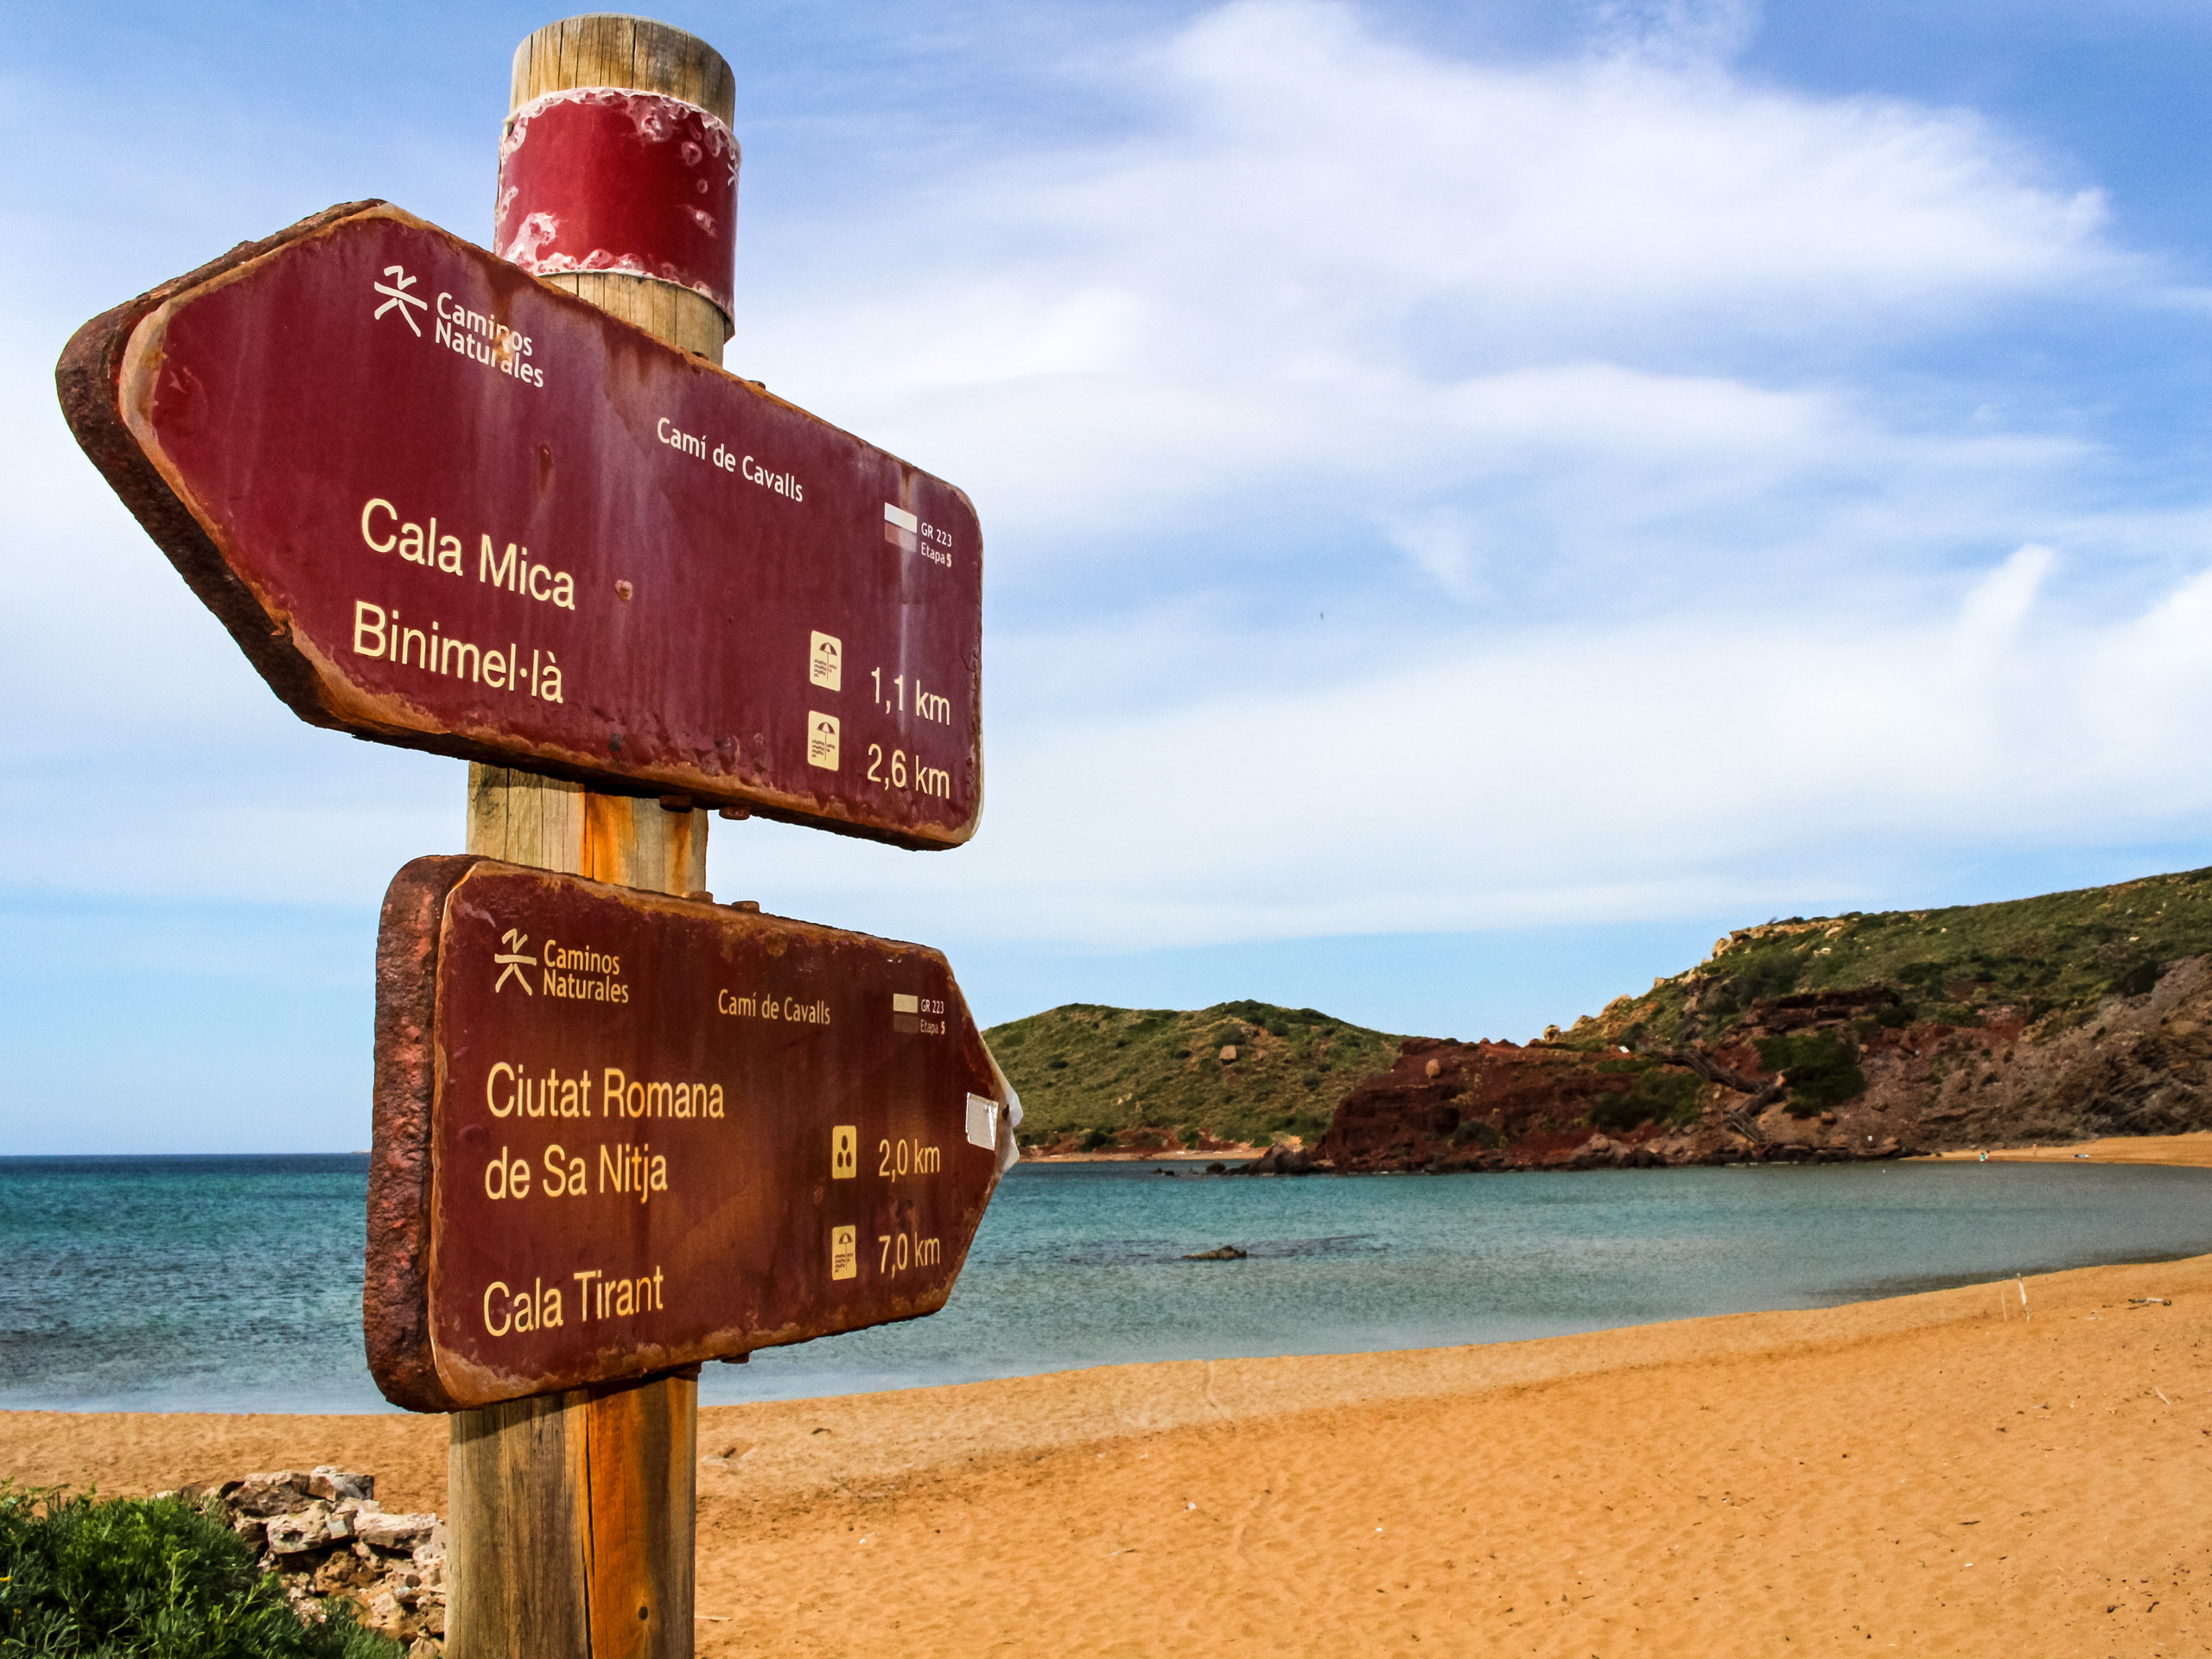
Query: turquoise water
point(234, 1284)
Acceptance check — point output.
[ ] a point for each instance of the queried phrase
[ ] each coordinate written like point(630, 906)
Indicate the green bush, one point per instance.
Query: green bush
point(1822, 1069)
point(1098, 1138)
point(2143, 977)
point(148, 1578)
point(1768, 971)
point(1661, 1094)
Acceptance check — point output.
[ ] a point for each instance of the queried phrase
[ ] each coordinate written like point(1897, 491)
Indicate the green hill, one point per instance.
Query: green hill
point(2049, 960)
point(1093, 1076)
point(2017, 987)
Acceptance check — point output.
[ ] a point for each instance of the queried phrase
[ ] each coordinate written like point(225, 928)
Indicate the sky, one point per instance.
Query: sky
point(1479, 499)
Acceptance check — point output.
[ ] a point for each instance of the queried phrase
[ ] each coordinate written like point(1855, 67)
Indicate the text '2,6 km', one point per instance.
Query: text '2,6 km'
point(440, 503)
point(619, 1132)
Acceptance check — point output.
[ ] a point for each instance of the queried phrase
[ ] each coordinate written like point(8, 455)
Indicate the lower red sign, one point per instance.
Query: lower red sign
point(619, 1132)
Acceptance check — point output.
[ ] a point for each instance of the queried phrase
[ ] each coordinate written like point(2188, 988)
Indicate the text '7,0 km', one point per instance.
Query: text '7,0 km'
point(441, 504)
point(619, 1132)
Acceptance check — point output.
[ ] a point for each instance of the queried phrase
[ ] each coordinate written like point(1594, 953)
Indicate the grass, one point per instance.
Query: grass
point(2048, 960)
point(1154, 1076)
point(148, 1578)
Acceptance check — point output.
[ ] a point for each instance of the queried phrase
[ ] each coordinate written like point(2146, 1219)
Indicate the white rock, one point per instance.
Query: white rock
point(279, 1492)
point(328, 1481)
point(290, 1535)
point(393, 1532)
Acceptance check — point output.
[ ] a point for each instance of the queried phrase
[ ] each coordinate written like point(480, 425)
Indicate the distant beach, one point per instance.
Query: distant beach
point(2177, 1151)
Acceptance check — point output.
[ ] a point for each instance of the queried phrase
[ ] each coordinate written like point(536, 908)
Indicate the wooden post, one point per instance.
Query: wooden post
point(572, 1516)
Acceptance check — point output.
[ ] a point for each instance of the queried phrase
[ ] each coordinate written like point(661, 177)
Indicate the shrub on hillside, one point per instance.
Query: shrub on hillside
point(1822, 1069)
point(1661, 1094)
point(150, 1579)
point(1766, 970)
point(2138, 980)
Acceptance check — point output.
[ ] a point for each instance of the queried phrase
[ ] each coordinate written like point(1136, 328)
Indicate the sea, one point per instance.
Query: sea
point(234, 1283)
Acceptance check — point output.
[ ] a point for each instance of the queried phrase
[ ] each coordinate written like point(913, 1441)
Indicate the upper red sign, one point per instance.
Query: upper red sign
point(440, 503)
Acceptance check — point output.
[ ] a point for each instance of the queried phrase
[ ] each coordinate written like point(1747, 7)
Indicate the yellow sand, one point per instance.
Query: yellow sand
point(1932, 1474)
point(2195, 1150)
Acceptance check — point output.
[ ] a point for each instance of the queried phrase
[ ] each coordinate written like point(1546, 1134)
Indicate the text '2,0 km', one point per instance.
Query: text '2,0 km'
point(619, 1132)
point(441, 504)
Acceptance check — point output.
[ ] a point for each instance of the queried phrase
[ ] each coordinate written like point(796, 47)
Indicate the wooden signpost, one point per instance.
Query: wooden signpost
point(506, 506)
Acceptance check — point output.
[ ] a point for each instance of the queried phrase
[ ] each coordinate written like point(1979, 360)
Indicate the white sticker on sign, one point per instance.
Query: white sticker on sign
point(983, 1122)
point(825, 662)
point(844, 1253)
point(822, 741)
point(901, 1003)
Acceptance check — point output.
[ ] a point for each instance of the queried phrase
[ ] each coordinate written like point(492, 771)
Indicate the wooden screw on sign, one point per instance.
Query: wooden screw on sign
point(573, 1514)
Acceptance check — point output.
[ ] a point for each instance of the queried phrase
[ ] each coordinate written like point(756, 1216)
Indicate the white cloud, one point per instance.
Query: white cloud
point(1678, 33)
point(1336, 325)
point(1561, 387)
point(1677, 767)
point(1315, 210)
point(1998, 606)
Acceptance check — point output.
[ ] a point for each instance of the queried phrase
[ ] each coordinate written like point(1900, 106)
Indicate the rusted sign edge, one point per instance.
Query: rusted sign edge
point(91, 382)
point(88, 380)
point(396, 1320)
point(396, 1285)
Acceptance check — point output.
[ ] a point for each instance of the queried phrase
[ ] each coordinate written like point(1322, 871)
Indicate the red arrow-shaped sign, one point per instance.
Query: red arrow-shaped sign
point(440, 503)
point(619, 1132)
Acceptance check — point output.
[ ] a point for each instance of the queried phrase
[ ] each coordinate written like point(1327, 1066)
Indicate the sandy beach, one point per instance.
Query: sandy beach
point(2193, 1151)
point(1933, 1473)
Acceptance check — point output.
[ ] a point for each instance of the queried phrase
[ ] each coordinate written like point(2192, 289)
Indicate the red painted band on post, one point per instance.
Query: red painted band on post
point(598, 178)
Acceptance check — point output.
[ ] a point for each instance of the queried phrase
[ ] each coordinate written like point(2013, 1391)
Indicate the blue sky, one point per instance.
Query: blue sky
point(1479, 499)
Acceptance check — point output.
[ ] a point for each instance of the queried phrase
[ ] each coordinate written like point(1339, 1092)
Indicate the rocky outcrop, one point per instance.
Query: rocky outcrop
point(1447, 1106)
point(324, 1536)
point(2137, 1064)
point(1279, 1161)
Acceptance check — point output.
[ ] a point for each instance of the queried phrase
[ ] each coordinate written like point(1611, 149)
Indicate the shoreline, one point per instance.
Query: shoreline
point(1220, 1155)
point(2192, 1151)
point(1933, 1472)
